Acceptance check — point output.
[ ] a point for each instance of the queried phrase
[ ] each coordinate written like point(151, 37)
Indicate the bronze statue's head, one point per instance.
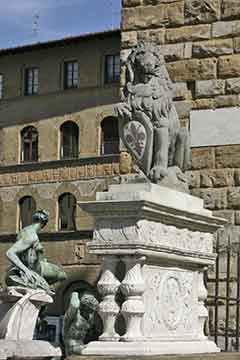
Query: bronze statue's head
point(41, 216)
point(88, 302)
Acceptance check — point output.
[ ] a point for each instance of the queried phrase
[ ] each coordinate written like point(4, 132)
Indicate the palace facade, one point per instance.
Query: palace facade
point(58, 144)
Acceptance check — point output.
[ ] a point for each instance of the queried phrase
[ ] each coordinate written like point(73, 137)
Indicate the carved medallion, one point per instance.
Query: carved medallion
point(172, 302)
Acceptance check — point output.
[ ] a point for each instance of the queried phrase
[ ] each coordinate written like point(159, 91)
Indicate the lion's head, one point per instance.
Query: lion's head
point(144, 60)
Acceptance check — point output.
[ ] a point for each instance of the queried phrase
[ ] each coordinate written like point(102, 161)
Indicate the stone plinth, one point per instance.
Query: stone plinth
point(219, 356)
point(165, 240)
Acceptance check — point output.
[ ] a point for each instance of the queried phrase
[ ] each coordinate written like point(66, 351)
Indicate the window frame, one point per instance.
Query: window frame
point(31, 81)
point(33, 208)
point(113, 141)
point(31, 150)
point(71, 225)
point(74, 154)
point(115, 78)
point(73, 78)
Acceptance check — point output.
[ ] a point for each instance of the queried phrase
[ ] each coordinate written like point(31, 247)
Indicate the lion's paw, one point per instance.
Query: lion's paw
point(158, 173)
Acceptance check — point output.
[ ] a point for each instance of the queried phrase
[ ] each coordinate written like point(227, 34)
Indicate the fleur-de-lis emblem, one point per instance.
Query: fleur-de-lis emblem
point(135, 137)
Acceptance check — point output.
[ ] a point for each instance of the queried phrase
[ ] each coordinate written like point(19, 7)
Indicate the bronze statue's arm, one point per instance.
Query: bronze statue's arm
point(71, 312)
point(13, 254)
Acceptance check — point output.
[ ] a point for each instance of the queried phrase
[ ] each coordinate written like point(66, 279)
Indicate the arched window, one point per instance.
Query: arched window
point(67, 211)
point(27, 206)
point(29, 136)
point(110, 137)
point(69, 140)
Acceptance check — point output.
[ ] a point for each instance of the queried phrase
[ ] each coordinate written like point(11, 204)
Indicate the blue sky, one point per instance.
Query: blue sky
point(57, 19)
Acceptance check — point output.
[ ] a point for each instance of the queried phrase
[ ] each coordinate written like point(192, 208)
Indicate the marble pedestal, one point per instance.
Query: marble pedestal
point(19, 309)
point(164, 238)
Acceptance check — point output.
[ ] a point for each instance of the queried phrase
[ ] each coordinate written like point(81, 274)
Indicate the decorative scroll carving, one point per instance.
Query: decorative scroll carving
point(61, 174)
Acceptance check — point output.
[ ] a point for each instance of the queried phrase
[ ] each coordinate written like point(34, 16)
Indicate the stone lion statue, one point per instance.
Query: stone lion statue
point(148, 122)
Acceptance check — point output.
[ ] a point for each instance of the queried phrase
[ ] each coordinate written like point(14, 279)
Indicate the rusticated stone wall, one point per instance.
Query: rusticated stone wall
point(201, 43)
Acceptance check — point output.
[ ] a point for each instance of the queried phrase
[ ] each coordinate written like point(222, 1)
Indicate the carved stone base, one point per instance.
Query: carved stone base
point(165, 240)
point(150, 348)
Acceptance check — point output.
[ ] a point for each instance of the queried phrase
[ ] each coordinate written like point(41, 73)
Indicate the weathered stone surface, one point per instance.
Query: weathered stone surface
point(233, 86)
point(183, 108)
point(237, 217)
point(156, 36)
point(189, 33)
point(213, 48)
point(193, 179)
point(129, 39)
point(228, 156)
point(229, 215)
point(217, 178)
point(201, 104)
point(174, 52)
point(228, 66)
point(214, 199)
point(194, 69)
point(237, 177)
point(201, 11)
point(203, 158)
point(230, 9)
point(208, 88)
point(131, 3)
point(236, 44)
point(226, 101)
point(211, 127)
point(234, 198)
point(153, 16)
point(180, 91)
point(156, 2)
point(226, 28)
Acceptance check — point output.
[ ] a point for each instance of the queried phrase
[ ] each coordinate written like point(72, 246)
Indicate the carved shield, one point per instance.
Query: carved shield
point(137, 135)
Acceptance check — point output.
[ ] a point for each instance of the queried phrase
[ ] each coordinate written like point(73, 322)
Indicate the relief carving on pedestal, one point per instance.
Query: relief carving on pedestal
point(176, 297)
point(152, 233)
point(169, 302)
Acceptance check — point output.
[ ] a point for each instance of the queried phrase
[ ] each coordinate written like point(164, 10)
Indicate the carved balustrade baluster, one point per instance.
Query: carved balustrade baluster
point(108, 309)
point(132, 287)
point(202, 310)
